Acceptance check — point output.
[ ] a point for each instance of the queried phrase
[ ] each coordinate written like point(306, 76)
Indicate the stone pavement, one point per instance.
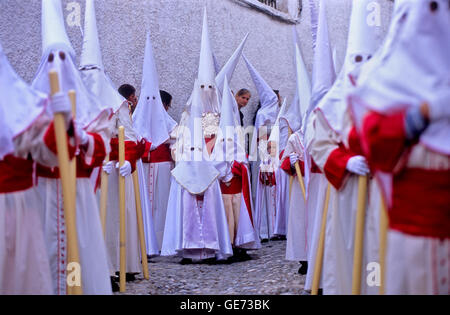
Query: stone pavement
point(268, 273)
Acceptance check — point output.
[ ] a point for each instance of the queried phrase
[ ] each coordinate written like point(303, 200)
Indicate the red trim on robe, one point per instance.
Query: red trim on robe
point(267, 178)
point(50, 139)
point(286, 166)
point(290, 170)
point(239, 169)
point(133, 151)
point(235, 186)
point(384, 139)
point(314, 168)
point(354, 142)
point(16, 174)
point(84, 169)
point(160, 155)
point(421, 203)
point(336, 166)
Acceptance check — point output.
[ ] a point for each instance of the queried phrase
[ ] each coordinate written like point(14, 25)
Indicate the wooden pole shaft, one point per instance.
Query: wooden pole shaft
point(140, 223)
point(359, 235)
point(73, 162)
point(104, 198)
point(69, 201)
point(300, 179)
point(384, 222)
point(321, 245)
point(123, 258)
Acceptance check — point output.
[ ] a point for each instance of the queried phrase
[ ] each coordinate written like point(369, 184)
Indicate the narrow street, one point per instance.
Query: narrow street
point(268, 273)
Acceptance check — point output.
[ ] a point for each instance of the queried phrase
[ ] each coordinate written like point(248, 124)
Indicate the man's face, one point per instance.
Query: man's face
point(132, 100)
point(242, 100)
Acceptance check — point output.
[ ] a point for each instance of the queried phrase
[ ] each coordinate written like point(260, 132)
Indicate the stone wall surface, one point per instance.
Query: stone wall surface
point(175, 27)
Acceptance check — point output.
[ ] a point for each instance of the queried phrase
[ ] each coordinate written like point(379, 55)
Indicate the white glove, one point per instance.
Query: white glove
point(439, 106)
point(81, 134)
point(60, 103)
point(358, 165)
point(227, 179)
point(108, 167)
point(125, 170)
point(294, 158)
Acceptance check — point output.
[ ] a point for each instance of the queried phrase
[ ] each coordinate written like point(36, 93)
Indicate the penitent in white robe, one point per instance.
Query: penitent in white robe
point(196, 229)
point(341, 219)
point(24, 263)
point(91, 243)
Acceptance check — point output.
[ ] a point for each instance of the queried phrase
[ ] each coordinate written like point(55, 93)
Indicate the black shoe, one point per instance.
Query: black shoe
point(227, 261)
point(186, 261)
point(210, 261)
point(304, 268)
point(264, 240)
point(244, 257)
point(114, 286)
point(129, 277)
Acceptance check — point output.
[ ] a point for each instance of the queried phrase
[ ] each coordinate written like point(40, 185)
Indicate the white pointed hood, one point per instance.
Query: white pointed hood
point(230, 142)
point(363, 41)
point(323, 66)
point(275, 132)
point(150, 118)
point(267, 114)
point(54, 35)
point(229, 68)
point(91, 67)
point(58, 57)
point(206, 72)
point(20, 105)
point(269, 100)
point(216, 65)
point(314, 15)
point(91, 55)
point(193, 171)
point(297, 110)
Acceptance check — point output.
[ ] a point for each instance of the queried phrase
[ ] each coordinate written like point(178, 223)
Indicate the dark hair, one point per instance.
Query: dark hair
point(165, 97)
point(277, 92)
point(126, 90)
point(243, 92)
point(256, 113)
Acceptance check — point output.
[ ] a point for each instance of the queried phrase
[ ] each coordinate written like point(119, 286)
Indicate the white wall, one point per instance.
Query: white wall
point(175, 27)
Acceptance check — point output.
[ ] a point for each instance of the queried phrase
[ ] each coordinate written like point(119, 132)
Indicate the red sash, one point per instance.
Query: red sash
point(421, 203)
point(16, 174)
point(161, 154)
point(239, 169)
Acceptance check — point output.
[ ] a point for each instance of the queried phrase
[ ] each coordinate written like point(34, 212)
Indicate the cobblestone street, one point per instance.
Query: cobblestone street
point(267, 273)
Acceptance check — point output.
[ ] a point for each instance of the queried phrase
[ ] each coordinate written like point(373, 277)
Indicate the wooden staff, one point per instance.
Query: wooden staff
point(300, 179)
point(291, 179)
point(73, 162)
point(140, 223)
point(104, 198)
point(321, 246)
point(359, 235)
point(66, 181)
point(299, 173)
point(123, 258)
point(384, 222)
